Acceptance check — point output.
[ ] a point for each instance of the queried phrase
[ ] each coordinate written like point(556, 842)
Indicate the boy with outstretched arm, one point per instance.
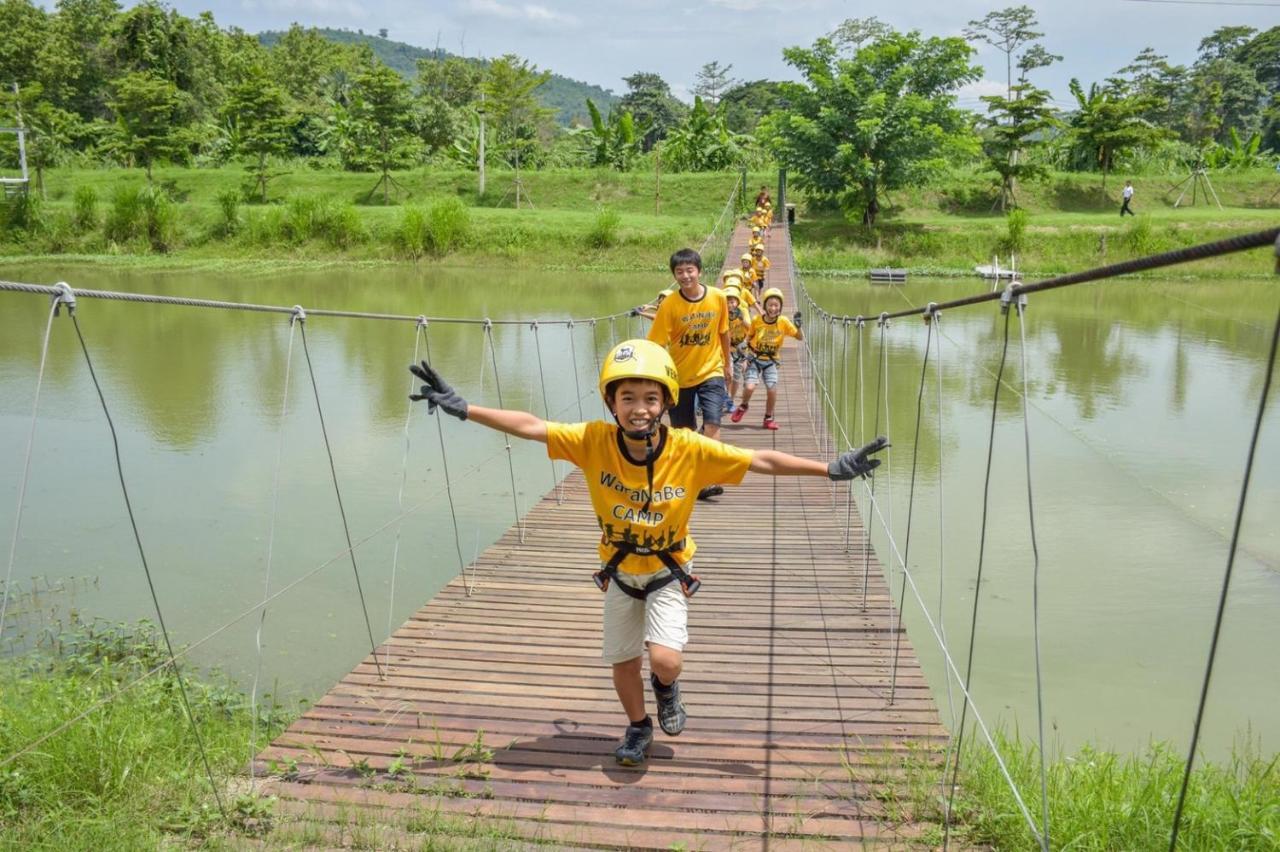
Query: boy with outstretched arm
point(768, 332)
point(642, 478)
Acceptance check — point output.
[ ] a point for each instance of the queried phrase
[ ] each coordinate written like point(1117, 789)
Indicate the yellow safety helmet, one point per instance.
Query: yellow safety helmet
point(733, 291)
point(640, 359)
point(758, 247)
point(770, 293)
point(746, 256)
point(732, 274)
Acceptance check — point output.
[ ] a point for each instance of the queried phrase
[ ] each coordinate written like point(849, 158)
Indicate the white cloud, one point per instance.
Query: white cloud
point(309, 7)
point(975, 90)
point(532, 12)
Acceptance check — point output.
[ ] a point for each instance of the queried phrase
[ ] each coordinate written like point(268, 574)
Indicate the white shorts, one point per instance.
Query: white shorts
point(629, 624)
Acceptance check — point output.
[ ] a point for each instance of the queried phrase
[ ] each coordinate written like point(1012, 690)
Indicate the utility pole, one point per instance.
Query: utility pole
point(481, 156)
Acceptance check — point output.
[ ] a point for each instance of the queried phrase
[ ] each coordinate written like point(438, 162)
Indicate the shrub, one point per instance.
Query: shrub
point(448, 226)
point(604, 230)
point(307, 217)
point(159, 218)
point(121, 224)
point(411, 234)
point(84, 209)
point(1140, 238)
point(22, 213)
point(229, 209)
point(1015, 238)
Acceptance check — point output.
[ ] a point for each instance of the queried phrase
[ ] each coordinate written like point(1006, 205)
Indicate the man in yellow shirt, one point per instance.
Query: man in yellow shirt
point(642, 478)
point(693, 325)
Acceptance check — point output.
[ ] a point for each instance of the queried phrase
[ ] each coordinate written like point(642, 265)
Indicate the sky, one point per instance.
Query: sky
point(602, 41)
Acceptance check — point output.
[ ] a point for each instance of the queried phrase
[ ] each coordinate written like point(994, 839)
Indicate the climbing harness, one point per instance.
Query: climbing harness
point(689, 583)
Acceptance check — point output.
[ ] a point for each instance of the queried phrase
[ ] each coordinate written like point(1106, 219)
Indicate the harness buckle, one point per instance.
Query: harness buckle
point(691, 585)
point(601, 579)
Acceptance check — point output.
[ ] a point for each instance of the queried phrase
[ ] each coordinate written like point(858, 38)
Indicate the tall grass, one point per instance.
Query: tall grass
point(604, 230)
point(438, 230)
point(1099, 800)
point(84, 207)
point(128, 775)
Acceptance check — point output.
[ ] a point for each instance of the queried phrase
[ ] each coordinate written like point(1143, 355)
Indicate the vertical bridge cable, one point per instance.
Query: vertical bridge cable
point(333, 471)
point(511, 465)
point(942, 630)
point(977, 588)
point(404, 478)
point(577, 387)
point(26, 464)
point(271, 539)
point(844, 413)
point(467, 581)
point(911, 500)
point(1035, 573)
point(146, 570)
point(595, 351)
point(875, 427)
point(1226, 578)
point(546, 408)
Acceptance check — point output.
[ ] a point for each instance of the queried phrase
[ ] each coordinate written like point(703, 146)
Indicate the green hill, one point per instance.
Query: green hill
point(567, 97)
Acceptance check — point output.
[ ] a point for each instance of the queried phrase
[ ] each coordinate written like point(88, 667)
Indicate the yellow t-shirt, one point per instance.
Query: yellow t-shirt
point(739, 326)
point(748, 274)
point(767, 337)
point(691, 331)
point(684, 463)
point(760, 265)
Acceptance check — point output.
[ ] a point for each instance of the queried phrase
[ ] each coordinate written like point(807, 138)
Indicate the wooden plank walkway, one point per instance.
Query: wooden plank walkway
point(497, 721)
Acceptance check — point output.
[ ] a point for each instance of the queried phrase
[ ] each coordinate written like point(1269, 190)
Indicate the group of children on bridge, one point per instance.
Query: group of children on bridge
point(644, 477)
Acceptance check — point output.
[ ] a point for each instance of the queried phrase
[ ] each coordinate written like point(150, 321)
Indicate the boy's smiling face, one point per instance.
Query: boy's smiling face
point(687, 275)
point(772, 307)
point(638, 403)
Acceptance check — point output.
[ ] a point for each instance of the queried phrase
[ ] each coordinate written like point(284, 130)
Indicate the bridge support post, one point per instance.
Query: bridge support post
point(780, 208)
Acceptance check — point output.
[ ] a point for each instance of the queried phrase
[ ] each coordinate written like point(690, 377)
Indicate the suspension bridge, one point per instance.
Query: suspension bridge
point(489, 706)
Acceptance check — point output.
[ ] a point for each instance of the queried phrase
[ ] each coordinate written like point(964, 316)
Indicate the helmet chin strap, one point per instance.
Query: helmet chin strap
point(646, 435)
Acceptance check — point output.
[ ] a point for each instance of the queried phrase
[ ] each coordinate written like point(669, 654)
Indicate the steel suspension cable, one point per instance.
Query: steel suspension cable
point(977, 590)
point(404, 479)
point(511, 465)
point(577, 387)
point(342, 511)
point(271, 540)
point(26, 466)
point(546, 408)
point(1035, 574)
point(1226, 579)
point(844, 411)
point(146, 570)
point(911, 499)
point(468, 581)
point(888, 430)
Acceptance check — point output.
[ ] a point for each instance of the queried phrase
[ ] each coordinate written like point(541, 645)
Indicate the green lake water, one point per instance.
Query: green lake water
point(1142, 397)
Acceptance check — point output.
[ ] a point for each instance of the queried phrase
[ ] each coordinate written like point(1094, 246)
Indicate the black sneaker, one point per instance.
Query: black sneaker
point(710, 491)
point(635, 742)
point(671, 715)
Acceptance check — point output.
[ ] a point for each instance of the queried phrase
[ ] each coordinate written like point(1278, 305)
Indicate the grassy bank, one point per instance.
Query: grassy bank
point(1098, 800)
point(604, 220)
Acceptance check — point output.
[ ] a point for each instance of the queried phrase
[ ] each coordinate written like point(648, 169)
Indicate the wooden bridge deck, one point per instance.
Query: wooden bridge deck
point(496, 725)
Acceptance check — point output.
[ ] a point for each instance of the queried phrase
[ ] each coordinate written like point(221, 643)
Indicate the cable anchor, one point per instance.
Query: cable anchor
point(1008, 296)
point(931, 313)
point(883, 321)
point(63, 295)
point(860, 321)
point(298, 315)
point(422, 321)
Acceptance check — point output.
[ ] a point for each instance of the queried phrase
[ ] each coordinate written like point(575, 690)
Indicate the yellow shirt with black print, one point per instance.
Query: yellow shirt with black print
point(690, 330)
point(767, 337)
point(684, 463)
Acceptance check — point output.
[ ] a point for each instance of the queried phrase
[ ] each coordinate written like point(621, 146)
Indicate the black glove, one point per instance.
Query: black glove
point(437, 392)
point(855, 462)
point(796, 319)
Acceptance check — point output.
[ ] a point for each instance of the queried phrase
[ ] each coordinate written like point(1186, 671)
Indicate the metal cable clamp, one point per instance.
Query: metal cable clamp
point(298, 315)
point(63, 295)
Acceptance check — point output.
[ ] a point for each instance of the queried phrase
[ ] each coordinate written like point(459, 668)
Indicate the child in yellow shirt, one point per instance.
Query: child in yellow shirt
point(768, 333)
point(642, 478)
point(760, 264)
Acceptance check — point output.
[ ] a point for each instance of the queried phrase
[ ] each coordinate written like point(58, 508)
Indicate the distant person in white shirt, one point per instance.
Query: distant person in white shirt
point(1127, 195)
